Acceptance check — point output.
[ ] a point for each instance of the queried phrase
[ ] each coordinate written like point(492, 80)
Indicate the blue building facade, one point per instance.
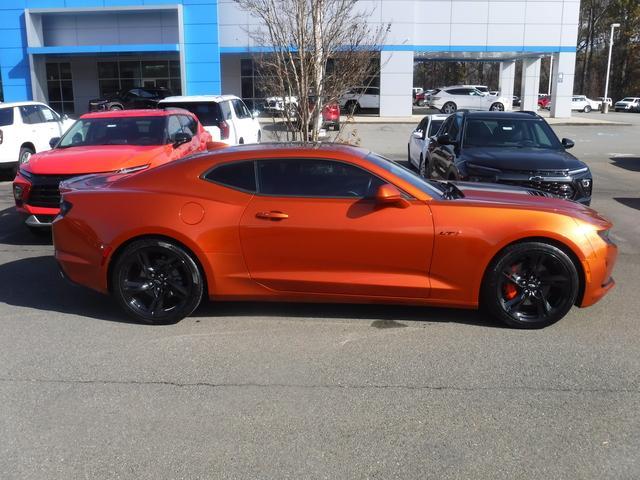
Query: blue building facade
point(68, 51)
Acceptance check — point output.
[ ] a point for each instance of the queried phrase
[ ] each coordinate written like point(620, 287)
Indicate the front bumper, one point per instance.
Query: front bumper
point(598, 271)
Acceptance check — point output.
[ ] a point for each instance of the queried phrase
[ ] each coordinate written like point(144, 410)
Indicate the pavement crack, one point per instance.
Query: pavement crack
point(337, 386)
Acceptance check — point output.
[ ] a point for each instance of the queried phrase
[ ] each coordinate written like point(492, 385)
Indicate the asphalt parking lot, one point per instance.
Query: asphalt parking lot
point(282, 391)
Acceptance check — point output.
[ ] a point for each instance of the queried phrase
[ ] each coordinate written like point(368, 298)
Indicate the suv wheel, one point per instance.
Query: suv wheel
point(449, 108)
point(24, 155)
point(497, 107)
point(587, 109)
point(352, 107)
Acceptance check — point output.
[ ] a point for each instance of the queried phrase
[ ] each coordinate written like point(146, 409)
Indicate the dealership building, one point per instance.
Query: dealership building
point(66, 52)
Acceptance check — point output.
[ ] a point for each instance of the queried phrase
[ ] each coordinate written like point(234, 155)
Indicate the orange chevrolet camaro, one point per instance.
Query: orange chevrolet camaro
point(327, 223)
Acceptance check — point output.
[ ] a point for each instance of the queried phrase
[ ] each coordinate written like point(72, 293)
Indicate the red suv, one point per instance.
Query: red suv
point(116, 141)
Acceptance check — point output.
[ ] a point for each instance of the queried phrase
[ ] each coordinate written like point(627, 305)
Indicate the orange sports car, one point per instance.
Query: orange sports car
point(327, 223)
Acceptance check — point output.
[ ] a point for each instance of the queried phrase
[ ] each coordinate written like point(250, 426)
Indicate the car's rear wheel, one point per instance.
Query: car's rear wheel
point(421, 103)
point(530, 285)
point(156, 281)
point(449, 108)
point(497, 107)
point(24, 155)
point(587, 109)
point(115, 107)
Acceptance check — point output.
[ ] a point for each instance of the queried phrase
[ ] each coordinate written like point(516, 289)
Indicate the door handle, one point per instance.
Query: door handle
point(272, 215)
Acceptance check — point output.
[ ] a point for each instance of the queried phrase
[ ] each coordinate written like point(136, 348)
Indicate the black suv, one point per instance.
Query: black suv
point(516, 148)
point(130, 99)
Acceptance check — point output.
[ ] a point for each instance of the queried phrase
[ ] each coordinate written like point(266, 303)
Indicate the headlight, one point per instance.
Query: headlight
point(578, 170)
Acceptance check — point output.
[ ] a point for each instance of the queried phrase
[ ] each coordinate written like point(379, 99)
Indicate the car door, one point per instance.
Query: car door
point(443, 156)
point(37, 130)
point(246, 131)
point(416, 142)
point(314, 227)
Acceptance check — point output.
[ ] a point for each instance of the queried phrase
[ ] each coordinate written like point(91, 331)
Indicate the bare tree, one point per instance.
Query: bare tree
point(316, 49)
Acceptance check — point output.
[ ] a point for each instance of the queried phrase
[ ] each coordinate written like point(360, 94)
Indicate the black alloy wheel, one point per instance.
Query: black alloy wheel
point(530, 285)
point(156, 281)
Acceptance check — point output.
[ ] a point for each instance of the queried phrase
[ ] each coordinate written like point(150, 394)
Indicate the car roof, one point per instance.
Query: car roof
point(130, 113)
point(198, 98)
point(19, 104)
point(522, 115)
point(270, 149)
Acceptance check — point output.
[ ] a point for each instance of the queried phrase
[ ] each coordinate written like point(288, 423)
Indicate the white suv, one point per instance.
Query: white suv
point(629, 104)
point(225, 117)
point(450, 99)
point(26, 128)
point(584, 104)
point(358, 98)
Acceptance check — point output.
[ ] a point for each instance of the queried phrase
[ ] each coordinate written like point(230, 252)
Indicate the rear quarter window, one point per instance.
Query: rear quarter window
point(6, 117)
point(237, 175)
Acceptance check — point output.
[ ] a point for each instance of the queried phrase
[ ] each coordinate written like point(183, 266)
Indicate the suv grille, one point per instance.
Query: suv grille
point(45, 190)
point(558, 189)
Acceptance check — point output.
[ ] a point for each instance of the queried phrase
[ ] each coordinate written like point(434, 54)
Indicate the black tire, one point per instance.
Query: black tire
point(352, 107)
point(449, 108)
point(422, 167)
point(497, 107)
point(115, 107)
point(156, 281)
point(23, 156)
point(587, 109)
point(530, 285)
point(421, 103)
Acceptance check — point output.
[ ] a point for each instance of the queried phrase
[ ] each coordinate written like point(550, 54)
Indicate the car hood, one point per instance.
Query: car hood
point(518, 197)
point(521, 158)
point(94, 159)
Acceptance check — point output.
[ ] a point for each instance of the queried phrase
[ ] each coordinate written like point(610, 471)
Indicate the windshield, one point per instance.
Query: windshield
point(481, 132)
point(208, 113)
point(628, 99)
point(116, 131)
point(427, 186)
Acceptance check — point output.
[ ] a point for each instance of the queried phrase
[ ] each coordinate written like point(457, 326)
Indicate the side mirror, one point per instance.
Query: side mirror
point(567, 143)
point(388, 195)
point(445, 140)
point(417, 134)
point(65, 116)
point(180, 139)
point(255, 114)
point(54, 141)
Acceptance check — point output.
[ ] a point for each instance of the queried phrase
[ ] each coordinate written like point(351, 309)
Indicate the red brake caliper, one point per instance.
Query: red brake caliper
point(509, 289)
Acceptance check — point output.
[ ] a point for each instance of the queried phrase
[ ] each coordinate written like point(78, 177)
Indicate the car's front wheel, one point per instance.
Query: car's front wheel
point(587, 109)
point(449, 108)
point(156, 281)
point(530, 285)
point(497, 107)
point(24, 155)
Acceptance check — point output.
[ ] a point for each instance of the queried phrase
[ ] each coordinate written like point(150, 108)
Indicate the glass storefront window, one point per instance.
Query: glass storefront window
point(60, 87)
point(115, 76)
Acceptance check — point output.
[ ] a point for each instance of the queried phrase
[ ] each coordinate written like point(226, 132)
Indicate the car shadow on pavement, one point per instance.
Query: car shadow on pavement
point(35, 282)
point(628, 163)
point(628, 202)
point(14, 232)
point(381, 316)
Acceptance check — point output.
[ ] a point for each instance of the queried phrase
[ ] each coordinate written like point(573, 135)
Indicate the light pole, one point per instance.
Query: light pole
point(605, 104)
point(550, 73)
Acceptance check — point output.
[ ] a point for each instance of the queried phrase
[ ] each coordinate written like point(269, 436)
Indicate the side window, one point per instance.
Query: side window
point(173, 127)
point(239, 175)
point(315, 178)
point(372, 91)
point(241, 109)
point(6, 117)
point(31, 114)
point(454, 131)
point(446, 126)
point(226, 110)
point(48, 114)
point(189, 125)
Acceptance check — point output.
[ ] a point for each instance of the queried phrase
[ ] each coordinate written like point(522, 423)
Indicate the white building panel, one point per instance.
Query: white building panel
point(469, 12)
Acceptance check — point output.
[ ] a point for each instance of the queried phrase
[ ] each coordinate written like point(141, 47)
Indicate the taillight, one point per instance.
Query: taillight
point(224, 130)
